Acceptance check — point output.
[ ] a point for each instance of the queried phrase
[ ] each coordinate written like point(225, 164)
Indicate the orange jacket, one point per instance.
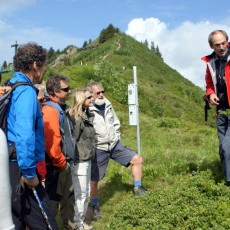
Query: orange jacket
point(53, 135)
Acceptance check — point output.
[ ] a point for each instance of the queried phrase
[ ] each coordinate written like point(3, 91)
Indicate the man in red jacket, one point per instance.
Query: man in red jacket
point(218, 92)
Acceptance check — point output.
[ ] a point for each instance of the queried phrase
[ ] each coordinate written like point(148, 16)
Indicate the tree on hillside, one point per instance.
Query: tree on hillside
point(51, 54)
point(107, 33)
point(90, 41)
point(152, 47)
point(158, 52)
point(4, 65)
point(146, 43)
point(85, 44)
point(156, 49)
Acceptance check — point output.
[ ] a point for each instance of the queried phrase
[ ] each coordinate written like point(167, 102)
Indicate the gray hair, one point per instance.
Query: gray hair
point(210, 37)
point(93, 83)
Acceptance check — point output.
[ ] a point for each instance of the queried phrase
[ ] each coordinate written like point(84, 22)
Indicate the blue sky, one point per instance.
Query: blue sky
point(179, 27)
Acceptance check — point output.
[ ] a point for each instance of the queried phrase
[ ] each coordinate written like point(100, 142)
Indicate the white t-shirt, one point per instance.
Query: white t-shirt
point(5, 190)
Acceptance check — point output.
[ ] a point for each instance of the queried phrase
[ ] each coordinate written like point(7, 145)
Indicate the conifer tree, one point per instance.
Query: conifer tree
point(146, 43)
point(85, 44)
point(152, 47)
point(4, 65)
point(158, 52)
point(107, 33)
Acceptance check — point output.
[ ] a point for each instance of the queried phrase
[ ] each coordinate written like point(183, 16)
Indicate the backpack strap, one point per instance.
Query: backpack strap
point(16, 84)
point(58, 108)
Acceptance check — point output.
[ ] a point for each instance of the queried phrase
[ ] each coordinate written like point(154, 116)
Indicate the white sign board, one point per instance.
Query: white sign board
point(132, 115)
point(132, 94)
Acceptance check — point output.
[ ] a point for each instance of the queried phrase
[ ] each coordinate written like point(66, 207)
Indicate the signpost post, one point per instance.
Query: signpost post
point(133, 107)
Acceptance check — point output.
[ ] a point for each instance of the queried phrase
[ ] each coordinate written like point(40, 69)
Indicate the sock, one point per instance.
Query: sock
point(94, 201)
point(137, 183)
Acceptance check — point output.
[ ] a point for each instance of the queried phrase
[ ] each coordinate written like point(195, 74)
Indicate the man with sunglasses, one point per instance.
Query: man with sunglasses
point(107, 125)
point(218, 92)
point(60, 149)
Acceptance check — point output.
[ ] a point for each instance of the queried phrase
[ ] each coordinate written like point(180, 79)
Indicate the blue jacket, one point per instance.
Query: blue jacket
point(25, 126)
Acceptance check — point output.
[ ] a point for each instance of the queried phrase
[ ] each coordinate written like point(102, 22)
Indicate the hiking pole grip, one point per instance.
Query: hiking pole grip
point(41, 208)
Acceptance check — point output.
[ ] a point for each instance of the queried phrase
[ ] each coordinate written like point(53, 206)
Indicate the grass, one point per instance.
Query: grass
point(174, 159)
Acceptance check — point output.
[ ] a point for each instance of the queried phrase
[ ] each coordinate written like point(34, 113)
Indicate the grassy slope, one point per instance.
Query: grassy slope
point(162, 90)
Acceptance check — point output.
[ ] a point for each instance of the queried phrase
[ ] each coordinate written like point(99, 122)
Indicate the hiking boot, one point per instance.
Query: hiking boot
point(96, 211)
point(139, 190)
point(85, 227)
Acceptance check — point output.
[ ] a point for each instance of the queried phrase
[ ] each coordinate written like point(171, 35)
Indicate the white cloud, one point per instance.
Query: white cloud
point(181, 47)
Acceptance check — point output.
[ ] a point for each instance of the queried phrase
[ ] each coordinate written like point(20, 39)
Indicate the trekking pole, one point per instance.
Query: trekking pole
point(41, 208)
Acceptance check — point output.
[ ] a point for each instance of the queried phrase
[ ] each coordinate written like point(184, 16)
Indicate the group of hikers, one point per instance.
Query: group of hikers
point(60, 152)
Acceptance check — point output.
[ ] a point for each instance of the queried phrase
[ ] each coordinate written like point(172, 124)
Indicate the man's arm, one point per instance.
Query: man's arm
point(210, 89)
point(24, 129)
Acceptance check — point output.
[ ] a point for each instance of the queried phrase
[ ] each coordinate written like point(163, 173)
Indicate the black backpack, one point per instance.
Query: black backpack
point(206, 107)
point(5, 96)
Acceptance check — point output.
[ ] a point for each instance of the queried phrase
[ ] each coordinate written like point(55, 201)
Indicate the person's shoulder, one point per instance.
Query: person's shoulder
point(209, 57)
point(92, 109)
point(108, 103)
point(47, 108)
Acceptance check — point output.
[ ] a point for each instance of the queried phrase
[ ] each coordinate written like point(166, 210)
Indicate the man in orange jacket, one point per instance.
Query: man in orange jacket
point(218, 92)
point(58, 179)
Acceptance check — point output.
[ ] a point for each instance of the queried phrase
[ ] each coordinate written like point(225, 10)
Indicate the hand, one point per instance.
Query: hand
point(30, 182)
point(214, 100)
point(43, 183)
point(67, 166)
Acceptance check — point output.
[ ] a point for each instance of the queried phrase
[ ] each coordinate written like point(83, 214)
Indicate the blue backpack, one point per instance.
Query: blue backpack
point(68, 145)
point(58, 108)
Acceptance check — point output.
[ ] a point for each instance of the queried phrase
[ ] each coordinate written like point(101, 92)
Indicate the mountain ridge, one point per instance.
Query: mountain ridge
point(163, 92)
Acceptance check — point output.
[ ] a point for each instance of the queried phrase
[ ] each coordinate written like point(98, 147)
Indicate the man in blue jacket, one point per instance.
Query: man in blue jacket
point(25, 136)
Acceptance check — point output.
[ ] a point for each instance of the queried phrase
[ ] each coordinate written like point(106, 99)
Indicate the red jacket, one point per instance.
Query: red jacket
point(41, 169)
point(210, 76)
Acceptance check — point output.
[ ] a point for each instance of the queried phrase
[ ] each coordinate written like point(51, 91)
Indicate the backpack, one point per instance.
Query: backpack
point(68, 145)
point(206, 107)
point(5, 96)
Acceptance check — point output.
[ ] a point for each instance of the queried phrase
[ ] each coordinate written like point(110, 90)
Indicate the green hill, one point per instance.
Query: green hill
point(163, 92)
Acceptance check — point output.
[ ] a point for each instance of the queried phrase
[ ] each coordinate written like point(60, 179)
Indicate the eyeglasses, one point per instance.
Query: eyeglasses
point(89, 97)
point(98, 93)
point(67, 89)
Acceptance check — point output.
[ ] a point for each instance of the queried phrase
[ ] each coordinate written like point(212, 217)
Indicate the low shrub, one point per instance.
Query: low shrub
point(170, 122)
point(192, 202)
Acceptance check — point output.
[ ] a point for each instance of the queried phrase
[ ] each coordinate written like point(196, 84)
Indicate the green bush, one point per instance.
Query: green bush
point(170, 122)
point(193, 202)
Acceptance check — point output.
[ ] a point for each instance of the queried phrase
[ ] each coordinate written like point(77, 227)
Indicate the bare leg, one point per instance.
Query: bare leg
point(136, 163)
point(94, 189)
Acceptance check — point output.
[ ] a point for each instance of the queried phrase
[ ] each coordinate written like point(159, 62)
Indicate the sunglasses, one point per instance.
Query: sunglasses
point(89, 97)
point(67, 89)
point(98, 93)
